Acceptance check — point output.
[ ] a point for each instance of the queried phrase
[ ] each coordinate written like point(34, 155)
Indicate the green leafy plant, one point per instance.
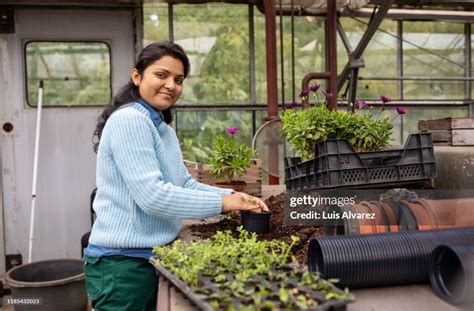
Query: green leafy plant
point(304, 129)
point(258, 274)
point(230, 158)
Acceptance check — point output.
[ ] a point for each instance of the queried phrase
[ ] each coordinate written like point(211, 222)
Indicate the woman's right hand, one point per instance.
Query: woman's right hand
point(240, 201)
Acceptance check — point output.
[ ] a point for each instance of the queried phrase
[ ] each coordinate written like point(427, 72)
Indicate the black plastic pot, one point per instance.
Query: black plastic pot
point(452, 273)
point(256, 222)
point(59, 284)
point(382, 259)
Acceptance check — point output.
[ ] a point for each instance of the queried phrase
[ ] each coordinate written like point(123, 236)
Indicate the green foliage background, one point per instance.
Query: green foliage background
point(74, 73)
point(220, 73)
point(216, 38)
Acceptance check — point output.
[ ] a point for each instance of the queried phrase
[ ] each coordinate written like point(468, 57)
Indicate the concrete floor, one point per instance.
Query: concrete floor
point(418, 297)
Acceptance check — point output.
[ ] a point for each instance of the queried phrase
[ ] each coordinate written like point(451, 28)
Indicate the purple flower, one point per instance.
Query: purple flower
point(304, 93)
point(401, 110)
point(232, 130)
point(290, 105)
point(385, 99)
point(315, 87)
point(361, 104)
point(327, 94)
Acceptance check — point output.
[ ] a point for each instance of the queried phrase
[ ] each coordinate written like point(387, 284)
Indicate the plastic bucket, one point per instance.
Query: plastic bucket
point(49, 285)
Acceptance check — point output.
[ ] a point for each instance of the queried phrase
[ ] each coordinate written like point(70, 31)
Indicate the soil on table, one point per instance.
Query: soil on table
point(278, 229)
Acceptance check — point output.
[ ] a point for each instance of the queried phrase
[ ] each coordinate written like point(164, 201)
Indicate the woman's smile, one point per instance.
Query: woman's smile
point(161, 83)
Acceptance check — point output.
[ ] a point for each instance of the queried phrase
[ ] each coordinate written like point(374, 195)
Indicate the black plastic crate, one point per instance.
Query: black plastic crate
point(337, 164)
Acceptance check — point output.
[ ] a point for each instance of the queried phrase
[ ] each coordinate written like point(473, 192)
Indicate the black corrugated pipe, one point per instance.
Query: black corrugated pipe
point(452, 273)
point(382, 259)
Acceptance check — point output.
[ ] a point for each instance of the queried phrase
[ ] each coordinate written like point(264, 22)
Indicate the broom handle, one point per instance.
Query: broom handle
point(35, 168)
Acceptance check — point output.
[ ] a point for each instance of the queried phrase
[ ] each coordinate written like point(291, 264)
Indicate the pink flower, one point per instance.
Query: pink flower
point(361, 104)
point(385, 99)
point(232, 130)
point(290, 105)
point(401, 110)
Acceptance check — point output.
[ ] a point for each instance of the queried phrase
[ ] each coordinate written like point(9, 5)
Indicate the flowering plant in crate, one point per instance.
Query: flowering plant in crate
point(304, 129)
point(230, 158)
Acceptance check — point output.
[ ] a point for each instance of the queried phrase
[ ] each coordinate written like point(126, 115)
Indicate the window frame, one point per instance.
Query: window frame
point(25, 70)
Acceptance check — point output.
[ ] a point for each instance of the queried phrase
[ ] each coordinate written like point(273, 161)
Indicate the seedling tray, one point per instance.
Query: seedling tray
point(210, 289)
point(337, 164)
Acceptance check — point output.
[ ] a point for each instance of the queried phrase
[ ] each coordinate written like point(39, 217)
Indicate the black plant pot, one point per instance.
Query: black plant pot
point(256, 222)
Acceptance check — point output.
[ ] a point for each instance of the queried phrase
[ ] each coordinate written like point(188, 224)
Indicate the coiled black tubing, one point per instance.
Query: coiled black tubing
point(383, 259)
point(452, 273)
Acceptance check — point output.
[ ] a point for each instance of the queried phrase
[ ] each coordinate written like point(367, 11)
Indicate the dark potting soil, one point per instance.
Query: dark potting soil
point(278, 229)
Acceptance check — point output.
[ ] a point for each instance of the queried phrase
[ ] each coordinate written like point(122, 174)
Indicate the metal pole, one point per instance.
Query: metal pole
point(468, 67)
point(271, 59)
point(400, 73)
point(253, 93)
point(467, 60)
point(332, 53)
point(293, 91)
point(35, 168)
point(282, 58)
point(353, 87)
point(400, 58)
point(170, 22)
point(272, 89)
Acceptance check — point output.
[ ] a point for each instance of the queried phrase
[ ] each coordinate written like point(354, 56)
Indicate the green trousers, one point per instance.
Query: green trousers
point(120, 283)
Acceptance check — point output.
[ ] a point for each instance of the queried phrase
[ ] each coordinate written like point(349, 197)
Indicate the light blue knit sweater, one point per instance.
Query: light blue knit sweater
point(143, 187)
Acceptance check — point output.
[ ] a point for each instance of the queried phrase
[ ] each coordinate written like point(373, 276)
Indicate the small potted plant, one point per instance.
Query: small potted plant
point(230, 160)
point(256, 222)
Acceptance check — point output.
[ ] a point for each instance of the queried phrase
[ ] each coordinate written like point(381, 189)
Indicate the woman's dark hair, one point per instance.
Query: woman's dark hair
point(129, 92)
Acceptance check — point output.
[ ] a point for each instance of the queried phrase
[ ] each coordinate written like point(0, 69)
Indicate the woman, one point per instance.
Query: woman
point(143, 187)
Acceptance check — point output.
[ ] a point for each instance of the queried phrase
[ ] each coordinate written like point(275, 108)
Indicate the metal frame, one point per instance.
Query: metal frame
point(355, 58)
point(59, 40)
point(352, 66)
point(400, 58)
point(468, 78)
point(2, 229)
point(138, 26)
point(170, 22)
point(468, 66)
point(253, 91)
point(6, 111)
point(426, 15)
